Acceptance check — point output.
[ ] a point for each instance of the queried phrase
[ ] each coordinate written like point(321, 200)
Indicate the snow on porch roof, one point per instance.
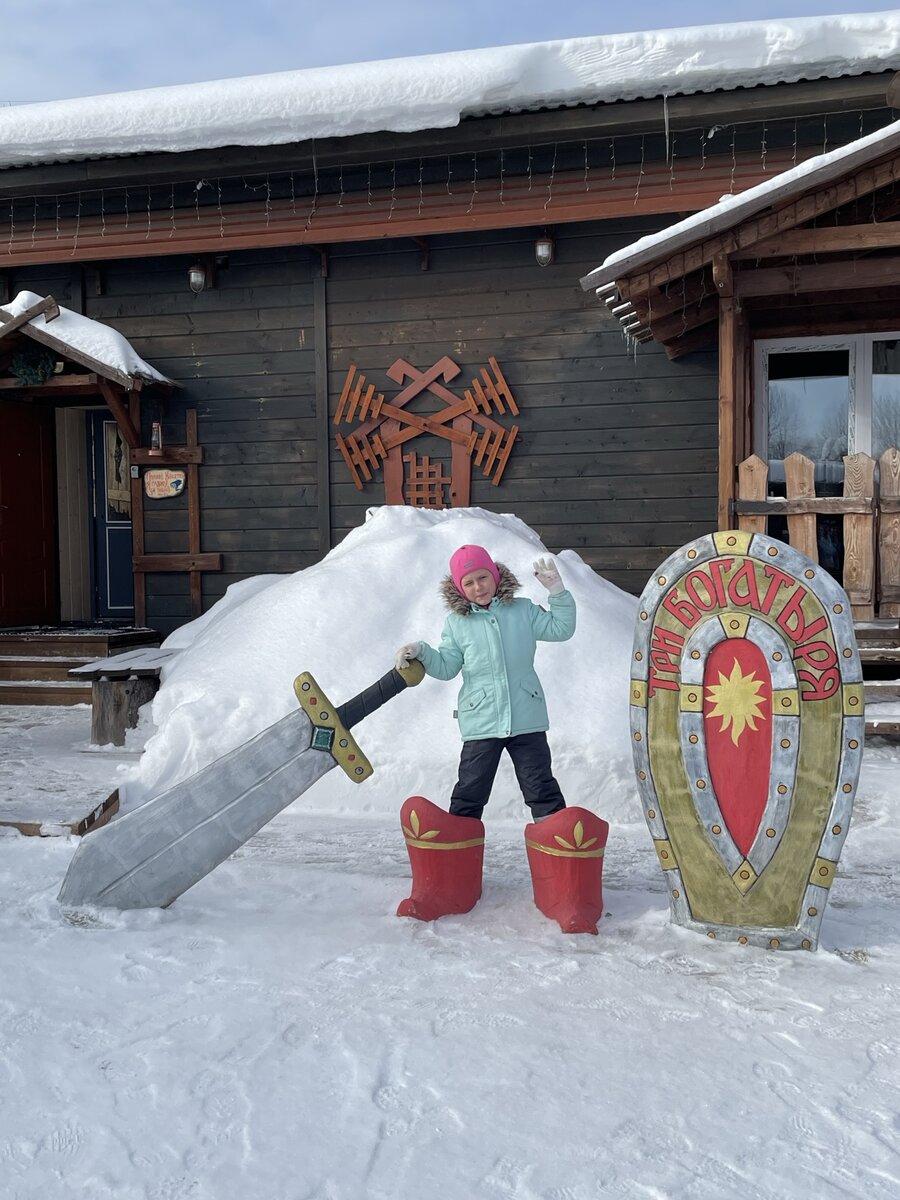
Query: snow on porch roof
point(811, 174)
point(87, 342)
point(438, 90)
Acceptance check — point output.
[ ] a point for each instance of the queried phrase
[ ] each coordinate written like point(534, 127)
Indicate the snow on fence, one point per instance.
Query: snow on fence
point(871, 521)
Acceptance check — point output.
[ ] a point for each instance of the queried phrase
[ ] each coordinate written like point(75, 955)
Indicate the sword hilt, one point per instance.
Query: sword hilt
point(331, 726)
point(386, 688)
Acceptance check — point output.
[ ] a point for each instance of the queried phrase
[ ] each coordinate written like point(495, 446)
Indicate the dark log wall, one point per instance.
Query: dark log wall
point(617, 453)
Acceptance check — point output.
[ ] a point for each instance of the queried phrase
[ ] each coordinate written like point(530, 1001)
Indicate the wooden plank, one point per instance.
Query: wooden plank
point(859, 538)
point(177, 562)
point(821, 505)
point(830, 240)
point(889, 529)
point(753, 477)
point(172, 456)
point(799, 474)
point(852, 275)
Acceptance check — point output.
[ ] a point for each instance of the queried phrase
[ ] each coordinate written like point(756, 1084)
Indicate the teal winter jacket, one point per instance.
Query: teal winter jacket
point(494, 647)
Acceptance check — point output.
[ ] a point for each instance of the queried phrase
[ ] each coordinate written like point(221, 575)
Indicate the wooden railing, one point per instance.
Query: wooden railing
point(871, 522)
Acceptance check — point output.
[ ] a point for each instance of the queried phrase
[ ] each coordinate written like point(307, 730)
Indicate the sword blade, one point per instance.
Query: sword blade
point(151, 855)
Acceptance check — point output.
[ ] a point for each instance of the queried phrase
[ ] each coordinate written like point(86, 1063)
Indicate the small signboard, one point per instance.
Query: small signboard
point(747, 728)
point(160, 483)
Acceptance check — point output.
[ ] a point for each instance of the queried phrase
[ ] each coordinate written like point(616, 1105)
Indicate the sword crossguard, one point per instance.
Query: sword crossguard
point(329, 732)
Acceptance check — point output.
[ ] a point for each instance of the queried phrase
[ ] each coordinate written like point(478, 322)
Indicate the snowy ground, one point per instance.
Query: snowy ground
point(279, 1033)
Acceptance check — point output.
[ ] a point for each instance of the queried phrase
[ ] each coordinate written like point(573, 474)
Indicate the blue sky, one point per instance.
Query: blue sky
point(57, 48)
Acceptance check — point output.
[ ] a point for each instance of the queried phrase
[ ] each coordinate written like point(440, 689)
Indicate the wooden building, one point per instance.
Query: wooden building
point(397, 317)
point(796, 283)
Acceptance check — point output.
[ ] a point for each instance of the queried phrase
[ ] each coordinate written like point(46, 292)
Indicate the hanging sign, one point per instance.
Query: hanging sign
point(160, 483)
point(747, 727)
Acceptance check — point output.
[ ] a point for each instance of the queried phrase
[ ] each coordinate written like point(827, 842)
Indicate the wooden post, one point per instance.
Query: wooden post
point(137, 521)
point(889, 533)
point(799, 473)
point(859, 537)
point(727, 331)
point(323, 434)
point(193, 491)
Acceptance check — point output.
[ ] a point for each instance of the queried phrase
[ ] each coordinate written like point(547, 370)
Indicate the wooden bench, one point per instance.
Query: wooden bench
point(120, 686)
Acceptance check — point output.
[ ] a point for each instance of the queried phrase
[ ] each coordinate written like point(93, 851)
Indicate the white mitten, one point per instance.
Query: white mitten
point(546, 572)
point(405, 655)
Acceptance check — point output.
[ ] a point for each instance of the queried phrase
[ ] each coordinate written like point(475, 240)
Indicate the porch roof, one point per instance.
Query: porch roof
point(844, 204)
point(89, 343)
point(807, 176)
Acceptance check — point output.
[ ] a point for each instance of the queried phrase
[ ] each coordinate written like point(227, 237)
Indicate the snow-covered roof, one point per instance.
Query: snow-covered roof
point(811, 174)
point(88, 342)
point(438, 90)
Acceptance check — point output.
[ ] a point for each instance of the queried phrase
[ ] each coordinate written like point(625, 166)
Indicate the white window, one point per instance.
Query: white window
point(826, 397)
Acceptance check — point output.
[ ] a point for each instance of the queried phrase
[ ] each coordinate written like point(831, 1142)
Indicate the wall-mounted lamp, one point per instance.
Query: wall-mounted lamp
point(197, 277)
point(543, 250)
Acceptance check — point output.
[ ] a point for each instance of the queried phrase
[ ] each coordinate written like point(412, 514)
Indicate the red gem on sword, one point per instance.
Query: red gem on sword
point(737, 715)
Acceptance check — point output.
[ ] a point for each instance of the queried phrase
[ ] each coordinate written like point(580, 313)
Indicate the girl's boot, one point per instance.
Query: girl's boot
point(565, 854)
point(446, 854)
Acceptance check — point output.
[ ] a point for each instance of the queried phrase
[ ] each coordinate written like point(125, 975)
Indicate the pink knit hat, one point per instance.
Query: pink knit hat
point(468, 559)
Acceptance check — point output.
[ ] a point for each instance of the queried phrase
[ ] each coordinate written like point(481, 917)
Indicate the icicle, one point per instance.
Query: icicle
point(666, 121)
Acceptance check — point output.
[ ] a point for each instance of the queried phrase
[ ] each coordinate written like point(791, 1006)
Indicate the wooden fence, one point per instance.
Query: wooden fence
point(871, 522)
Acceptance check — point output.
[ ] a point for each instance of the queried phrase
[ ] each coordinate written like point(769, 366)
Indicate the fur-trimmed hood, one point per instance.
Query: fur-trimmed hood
point(456, 602)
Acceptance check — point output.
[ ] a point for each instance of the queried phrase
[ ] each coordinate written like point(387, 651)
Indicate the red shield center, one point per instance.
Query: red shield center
point(737, 716)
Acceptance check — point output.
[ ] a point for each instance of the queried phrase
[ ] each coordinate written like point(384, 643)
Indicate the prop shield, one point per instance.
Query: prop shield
point(747, 728)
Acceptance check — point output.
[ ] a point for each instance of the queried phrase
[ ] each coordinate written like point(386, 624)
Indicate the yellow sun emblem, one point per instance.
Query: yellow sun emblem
point(736, 701)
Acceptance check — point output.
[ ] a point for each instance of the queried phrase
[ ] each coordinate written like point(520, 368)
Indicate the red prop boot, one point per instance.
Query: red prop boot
point(446, 854)
point(565, 854)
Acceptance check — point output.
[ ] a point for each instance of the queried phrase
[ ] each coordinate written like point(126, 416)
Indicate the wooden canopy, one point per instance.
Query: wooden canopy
point(118, 388)
point(813, 251)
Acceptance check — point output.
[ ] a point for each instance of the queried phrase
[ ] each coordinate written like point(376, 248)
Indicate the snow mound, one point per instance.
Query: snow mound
point(343, 620)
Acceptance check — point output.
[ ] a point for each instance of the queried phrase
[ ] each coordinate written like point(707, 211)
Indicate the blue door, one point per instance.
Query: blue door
point(113, 581)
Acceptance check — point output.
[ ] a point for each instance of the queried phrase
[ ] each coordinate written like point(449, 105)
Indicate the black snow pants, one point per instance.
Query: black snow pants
point(530, 756)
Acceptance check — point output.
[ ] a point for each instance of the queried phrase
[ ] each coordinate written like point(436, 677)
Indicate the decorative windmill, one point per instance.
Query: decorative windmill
point(385, 427)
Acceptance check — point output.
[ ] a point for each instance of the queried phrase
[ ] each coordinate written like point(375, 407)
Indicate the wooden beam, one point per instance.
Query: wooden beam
point(398, 213)
point(832, 240)
point(47, 306)
point(757, 229)
point(852, 275)
point(116, 405)
point(702, 338)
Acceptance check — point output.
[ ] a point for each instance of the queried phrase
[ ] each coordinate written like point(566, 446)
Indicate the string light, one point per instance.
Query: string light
point(77, 227)
point(34, 219)
point(221, 211)
point(672, 165)
point(449, 175)
point(530, 160)
point(552, 177)
point(149, 217)
point(474, 183)
point(294, 193)
point(393, 190)
point(12, 226)
point(315, 198)
point(587, 184)
point(637, 190)
point(733, 157)
point(794, 159)
point(421, 191)
point(172, 211)
point(612, 147)
point(764, 147)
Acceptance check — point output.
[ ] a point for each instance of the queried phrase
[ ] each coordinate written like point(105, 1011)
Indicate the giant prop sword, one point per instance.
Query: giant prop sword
point(149, 856)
